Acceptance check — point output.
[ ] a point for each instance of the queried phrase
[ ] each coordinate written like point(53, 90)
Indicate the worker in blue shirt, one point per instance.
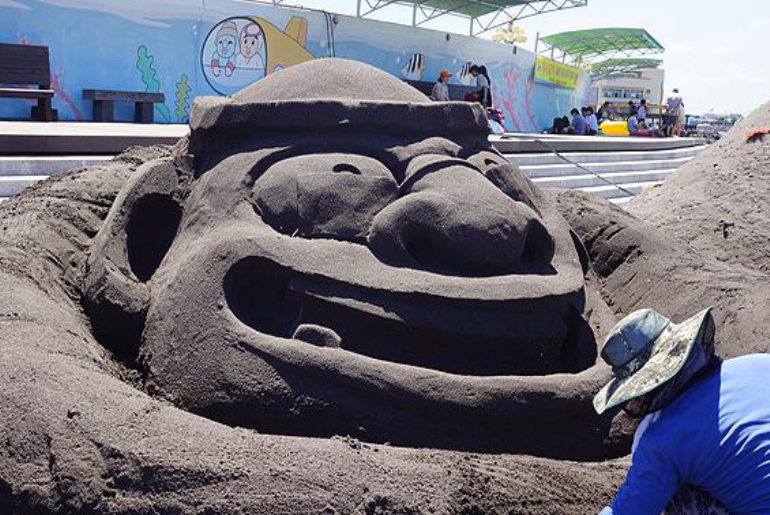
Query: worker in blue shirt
point(703, 446)
point(578, 125)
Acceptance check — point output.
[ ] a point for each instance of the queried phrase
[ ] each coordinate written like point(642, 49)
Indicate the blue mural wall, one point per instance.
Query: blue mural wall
point(188, 48)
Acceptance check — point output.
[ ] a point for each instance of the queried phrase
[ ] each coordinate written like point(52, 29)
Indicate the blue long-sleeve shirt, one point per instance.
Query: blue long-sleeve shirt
point(715, 436)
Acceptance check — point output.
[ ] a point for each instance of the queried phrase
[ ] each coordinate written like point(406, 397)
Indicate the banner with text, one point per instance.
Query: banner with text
point(556, 74)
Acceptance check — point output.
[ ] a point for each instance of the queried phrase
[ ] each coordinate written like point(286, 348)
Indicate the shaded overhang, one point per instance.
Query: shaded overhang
point(585, 47)
point(483, 15)
point(617, 67)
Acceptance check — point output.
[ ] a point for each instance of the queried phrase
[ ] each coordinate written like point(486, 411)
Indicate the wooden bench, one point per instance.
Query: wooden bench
point(104, 103)
point(27, 65)
point(456, 91)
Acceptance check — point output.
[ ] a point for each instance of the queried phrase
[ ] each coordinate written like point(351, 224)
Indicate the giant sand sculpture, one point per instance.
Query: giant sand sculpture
point(345, 257)
point(333, 297)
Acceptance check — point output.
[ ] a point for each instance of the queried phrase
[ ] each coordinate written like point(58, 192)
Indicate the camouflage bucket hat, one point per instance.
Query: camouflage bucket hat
point(645, 350)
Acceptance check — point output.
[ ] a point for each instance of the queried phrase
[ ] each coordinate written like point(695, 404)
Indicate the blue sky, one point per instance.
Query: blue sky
point(717, 51)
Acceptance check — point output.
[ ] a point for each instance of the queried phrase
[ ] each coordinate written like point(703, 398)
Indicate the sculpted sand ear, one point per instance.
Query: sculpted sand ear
point(135, 237)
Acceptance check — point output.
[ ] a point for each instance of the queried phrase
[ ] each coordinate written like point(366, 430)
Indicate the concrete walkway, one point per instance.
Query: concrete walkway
point(67, 138)
point(33, 151)
point(616, 176)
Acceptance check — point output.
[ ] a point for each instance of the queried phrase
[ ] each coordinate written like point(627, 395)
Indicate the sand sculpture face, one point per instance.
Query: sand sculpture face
point(341, 256)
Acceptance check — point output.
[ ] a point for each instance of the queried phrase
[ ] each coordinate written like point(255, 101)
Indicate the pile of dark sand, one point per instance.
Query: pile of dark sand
point(718, 203)
point(79, 438)
point(640, 266)
point(698, 240)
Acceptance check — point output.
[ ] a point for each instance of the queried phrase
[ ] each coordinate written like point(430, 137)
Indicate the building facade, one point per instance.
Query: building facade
point(189, 48)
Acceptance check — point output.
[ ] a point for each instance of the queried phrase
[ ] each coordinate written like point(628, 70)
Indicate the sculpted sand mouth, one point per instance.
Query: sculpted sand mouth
point(415, 389)
point(468, 337)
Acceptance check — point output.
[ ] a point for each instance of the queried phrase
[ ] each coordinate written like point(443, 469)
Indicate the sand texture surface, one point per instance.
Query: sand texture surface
point(79, 437)
point(361, 308)
point(718, 202)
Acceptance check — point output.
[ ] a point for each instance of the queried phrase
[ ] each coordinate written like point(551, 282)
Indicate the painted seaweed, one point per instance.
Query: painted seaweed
point(183, 99)
point(149, 78)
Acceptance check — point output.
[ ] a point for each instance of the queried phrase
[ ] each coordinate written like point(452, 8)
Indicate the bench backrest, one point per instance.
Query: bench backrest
point(25, 65)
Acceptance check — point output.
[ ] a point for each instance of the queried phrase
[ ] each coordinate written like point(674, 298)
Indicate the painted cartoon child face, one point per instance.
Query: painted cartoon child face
point(226, 45)
point(251, 40)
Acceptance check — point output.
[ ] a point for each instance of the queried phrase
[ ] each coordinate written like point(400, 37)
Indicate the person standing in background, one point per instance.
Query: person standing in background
point(440, 91)
point(641, 112)
point(682, 119)
point(592, 125)
point(484, 85)
point(675, 112)
point(488, 96)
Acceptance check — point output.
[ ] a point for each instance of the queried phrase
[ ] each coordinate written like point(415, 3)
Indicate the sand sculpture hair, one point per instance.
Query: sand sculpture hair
point(347, 257)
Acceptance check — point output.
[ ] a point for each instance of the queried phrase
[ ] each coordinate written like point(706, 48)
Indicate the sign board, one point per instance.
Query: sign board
point(556, 74)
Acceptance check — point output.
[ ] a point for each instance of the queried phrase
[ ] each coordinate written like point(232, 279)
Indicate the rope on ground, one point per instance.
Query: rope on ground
point(570, 161)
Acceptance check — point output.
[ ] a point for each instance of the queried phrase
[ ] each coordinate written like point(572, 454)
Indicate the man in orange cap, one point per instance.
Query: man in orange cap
point(441, 90)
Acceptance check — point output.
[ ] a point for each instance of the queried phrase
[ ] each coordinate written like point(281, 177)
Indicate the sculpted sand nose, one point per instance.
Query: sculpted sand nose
point(450, 219)
point(352, 258)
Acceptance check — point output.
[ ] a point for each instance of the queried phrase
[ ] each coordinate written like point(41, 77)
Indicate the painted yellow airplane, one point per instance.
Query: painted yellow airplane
point(285, 47)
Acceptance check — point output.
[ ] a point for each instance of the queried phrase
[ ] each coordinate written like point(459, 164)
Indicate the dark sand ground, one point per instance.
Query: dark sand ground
point(700, 239)
point(79, 437)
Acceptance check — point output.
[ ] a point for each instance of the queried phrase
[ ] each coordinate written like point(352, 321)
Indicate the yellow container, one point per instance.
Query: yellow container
point(615, 128)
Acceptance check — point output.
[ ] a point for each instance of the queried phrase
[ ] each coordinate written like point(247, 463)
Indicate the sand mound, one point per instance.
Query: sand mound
point(78, 438)
point(718, 201)
point(640, 266)
point(155, 308)
point(330, 79)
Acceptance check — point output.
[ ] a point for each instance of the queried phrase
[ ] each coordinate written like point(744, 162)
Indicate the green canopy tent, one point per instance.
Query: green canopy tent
point(622, 67)
point(483, 15)
point(583, 47)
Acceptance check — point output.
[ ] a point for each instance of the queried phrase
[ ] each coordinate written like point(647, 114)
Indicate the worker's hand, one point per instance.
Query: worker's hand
point(606, 511)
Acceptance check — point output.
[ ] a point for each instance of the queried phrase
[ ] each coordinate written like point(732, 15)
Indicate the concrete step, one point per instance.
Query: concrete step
point(63, 138)
point(632, 170)
point(604, 157)
point(13, 184)
point(585, 180)
point(611, 192)
point(45, 165)
point(527, 143)
point(555, 170)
